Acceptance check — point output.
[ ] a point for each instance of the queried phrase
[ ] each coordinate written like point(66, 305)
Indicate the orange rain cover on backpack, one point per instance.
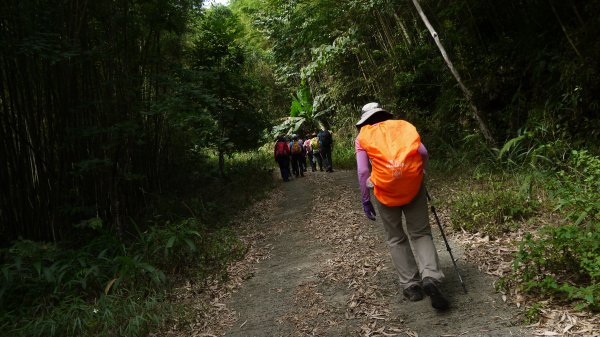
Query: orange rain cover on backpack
point(393, 147)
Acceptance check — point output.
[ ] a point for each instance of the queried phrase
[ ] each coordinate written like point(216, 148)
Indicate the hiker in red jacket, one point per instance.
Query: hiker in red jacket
point(398, 159)
point(282, 157)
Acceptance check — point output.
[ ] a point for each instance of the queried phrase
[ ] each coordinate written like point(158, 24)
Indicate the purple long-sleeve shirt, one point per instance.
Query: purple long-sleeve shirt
point(362, 166)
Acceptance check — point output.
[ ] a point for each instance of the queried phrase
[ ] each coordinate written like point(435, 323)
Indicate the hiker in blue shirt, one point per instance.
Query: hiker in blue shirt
point(326, 146)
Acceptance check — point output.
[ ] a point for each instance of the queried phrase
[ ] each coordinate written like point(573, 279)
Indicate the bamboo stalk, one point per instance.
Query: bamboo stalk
point(468, 95)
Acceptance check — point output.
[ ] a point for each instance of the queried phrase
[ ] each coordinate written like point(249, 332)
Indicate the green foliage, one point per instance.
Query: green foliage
point(306, 114)
point(533, 313)
point(492, 208)
point(188, 247)
point(105, 287)
point(102, 285)
point(301, 102)
point(134, 313)
point(48, 290)
point(218, 63)
point(542, 147)
point(563, 263)
point(577, 188)
point(343, 155)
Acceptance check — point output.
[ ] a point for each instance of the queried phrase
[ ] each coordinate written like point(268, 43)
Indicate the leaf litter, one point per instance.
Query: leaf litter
point(342, 226)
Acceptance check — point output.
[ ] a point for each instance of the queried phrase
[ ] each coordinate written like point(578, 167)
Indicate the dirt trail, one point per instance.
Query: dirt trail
point(329, 274)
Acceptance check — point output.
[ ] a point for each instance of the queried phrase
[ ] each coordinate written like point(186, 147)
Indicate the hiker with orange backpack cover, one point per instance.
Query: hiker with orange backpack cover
point(397, 158)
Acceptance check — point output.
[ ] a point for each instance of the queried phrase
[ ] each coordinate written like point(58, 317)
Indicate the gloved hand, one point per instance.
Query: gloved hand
point(369, 210)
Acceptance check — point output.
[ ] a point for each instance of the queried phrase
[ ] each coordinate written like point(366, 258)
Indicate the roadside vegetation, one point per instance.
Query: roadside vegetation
point(110, 285)
point(550, 212)
point(131, 133)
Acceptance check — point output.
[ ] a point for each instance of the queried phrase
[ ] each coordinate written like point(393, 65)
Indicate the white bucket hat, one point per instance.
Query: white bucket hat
point(369, 110)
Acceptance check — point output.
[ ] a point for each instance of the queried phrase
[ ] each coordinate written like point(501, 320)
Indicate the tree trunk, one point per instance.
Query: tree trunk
point(222, 163)
point(482, 125)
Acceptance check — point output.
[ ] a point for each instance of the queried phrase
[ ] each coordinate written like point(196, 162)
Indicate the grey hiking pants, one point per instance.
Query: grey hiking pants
point(424, 262)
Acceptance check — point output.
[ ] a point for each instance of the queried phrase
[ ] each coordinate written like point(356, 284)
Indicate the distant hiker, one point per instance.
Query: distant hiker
point(303, 159)
point(398, 159)
point(309, 153)
point(296, 150)
point(282, 157)
point(325, 147)
point(314, 144)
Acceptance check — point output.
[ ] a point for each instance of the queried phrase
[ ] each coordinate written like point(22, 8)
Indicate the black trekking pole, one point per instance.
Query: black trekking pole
point(437, 219)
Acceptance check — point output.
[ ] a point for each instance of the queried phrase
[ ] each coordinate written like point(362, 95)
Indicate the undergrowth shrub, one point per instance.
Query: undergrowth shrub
point(540, 147)
point(107, 287)
point(564, 261)
point(130, 313)
point(190, 248)
point(493, 209)
point(215, 200)
point(343, 155)
point(50, 290)
point(577, 188)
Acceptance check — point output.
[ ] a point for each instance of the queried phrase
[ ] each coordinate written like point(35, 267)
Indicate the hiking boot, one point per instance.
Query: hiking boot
point(438, 301)
point(413, 293)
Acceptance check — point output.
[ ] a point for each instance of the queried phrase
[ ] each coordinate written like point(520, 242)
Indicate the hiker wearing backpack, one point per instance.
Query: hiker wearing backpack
point(397, 157)
point(282, 157)
point(309, 153)
point(297, 152)
point(314, 144)
point(303, 159)
point(326, 146)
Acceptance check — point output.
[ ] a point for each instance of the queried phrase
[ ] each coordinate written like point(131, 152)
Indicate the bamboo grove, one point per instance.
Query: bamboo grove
point(101, 100)
point(75, 76)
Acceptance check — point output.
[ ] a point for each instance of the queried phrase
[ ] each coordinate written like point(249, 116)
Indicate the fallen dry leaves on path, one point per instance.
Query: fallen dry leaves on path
point(358, 258)
point(342, 227)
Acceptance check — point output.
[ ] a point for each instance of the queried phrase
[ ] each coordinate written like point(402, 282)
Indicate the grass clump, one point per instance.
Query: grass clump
point(492, 208)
